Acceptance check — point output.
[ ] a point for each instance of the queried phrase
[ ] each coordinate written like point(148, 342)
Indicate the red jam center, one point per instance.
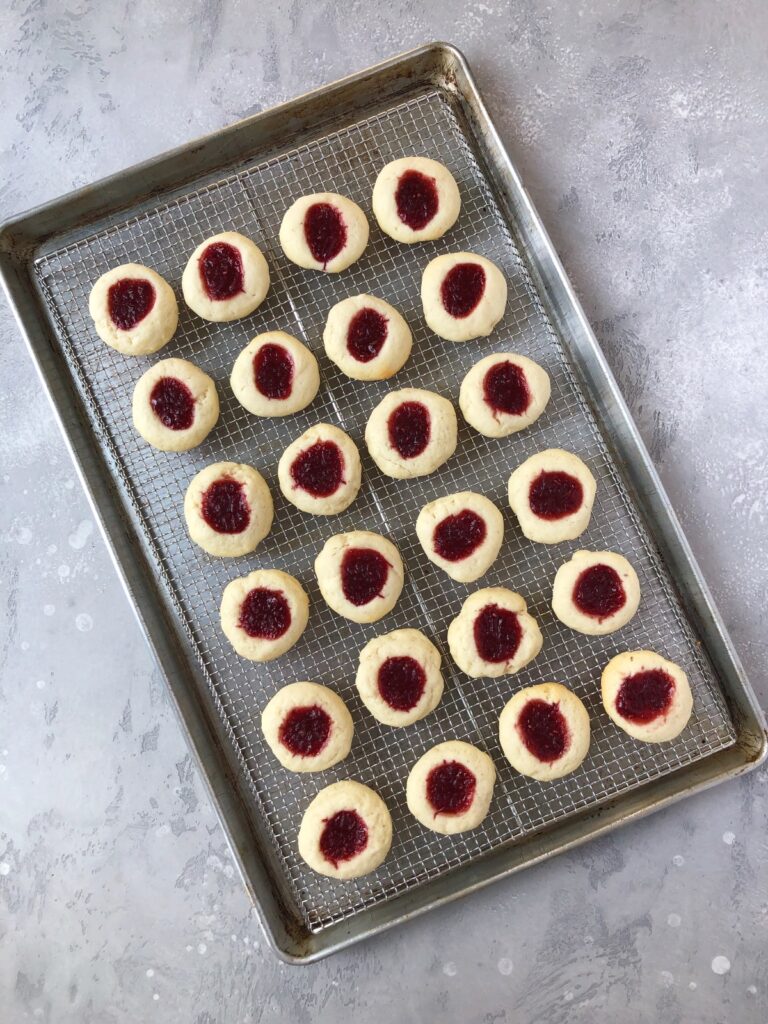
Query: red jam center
point(305, 731)
point(544, 730)
point(221, 271)
point(366, 334)
point(273, 371)
point(319, 470)
point(462, 289)
point(456, 537)
point(451, 788)
point(644, 696)
point(506, 390)
point(409, 429)
point(265, 614)
point(555, 495)
point(416, 199)
point(599, 592)
point(325, 232)
point(363, 575)
point(173, 403)
point(401, 682)
point(224, 507)
point(129, 301)
point(344, 836)
point(497, 633)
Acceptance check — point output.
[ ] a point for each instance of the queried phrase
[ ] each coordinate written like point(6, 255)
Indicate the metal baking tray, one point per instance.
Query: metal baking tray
point(243, 178)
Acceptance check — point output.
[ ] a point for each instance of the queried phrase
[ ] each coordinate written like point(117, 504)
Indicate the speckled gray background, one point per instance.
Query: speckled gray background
point(642, 133)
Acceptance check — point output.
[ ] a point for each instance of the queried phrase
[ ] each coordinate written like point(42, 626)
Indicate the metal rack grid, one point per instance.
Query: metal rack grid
point(253, 201)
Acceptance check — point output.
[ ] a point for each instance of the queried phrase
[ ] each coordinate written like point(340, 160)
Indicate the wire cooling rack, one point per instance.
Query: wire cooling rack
point(252, 200)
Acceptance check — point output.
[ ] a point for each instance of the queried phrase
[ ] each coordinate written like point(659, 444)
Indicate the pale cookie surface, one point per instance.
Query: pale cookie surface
point(415, 199)
point(647, 696)
point(493, 634)
point(275, 375)
point(464, 296)
point(462, 533)
point(552, 494)
point(324, 231)
point(399, 678)
point(504, 393)
point(450, 788)
point(544, 731)
point(175, 405)
point(264, 613)
point(308, 727)
point(346, 831)
point(360, 575)
point(367, 338)
point(320, 471)
point(228, 509)
point(597, 592)
point(226, 277)
point(134, 310)
point(411, 433)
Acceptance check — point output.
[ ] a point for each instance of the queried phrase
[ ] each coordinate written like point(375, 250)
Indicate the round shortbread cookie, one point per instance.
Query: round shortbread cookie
point(647, 696)
point(399, 678)
point(275, 375)
point(415, 199)
point(175, 405)
point(226, 278)
point(597, 592)
point(552, 494)
point(411, 432)
point(464, 296)
point(346, 831)
point(264, 613)
point(450, 788)
point(134, 310)
point(324, 231)
point(307, 727)
point(504, 393)
point(228, 509)
point(544, 731)
point(493, 634)
point(360, 575)
point(367, 338)
point(462, 533)
point(320, 471)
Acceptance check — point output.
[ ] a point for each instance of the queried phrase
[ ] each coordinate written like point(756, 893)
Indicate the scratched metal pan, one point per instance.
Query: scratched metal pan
point(337, 138)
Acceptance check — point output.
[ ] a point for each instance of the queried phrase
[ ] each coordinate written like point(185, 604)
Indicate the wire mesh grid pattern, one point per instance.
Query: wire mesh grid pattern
point(253, 201)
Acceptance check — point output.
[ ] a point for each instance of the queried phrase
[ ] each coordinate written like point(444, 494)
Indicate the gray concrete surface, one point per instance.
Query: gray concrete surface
point(640, 128)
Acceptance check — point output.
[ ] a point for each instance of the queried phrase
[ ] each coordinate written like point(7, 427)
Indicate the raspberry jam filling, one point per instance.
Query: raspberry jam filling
point(173, 403)
point(401, 682)
point(645, 696)
point(409, 429)
point(451, 788)
point(366, 334)
point(319, 470)
point(363, 575)
point(506, 390)
point(416, 199)
point(265, 614)
point(344, 836)
point(555, 495)
point(456, 537)
point(129, 301)
point(325, 232)
point(221, 271)
point(305, 731)
point(224, 506)
point(462, 289)
point(497, 633)
point(599, 592)
point(273, 371)
point(544, 730)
